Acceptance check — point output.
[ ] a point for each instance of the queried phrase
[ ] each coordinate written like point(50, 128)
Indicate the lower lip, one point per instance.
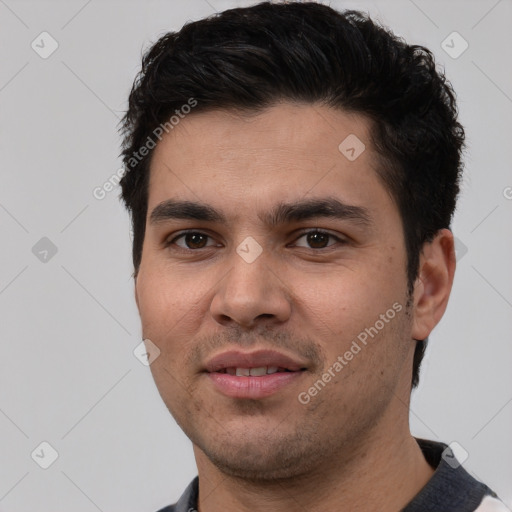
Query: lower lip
point(252, 387)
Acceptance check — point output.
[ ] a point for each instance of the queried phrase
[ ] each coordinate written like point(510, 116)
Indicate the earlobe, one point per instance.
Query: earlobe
point(433, 286)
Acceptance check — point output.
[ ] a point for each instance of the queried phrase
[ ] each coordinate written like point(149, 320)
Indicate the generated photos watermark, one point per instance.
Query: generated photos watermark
point(100, 192)
point(304, 397)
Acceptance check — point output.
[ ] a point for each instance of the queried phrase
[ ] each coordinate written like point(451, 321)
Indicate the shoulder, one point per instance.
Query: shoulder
point(187, 501)
point(451, 486)
point(490, 504)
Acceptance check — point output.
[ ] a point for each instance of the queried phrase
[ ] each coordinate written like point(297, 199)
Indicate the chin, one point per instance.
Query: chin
point(264, 460)
point(258, 471)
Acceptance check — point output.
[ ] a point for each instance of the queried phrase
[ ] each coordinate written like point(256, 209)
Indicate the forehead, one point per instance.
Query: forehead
point(285, 152)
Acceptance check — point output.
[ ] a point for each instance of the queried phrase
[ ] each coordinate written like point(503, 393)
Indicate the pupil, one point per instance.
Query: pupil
point(317, 238)
point(194, 240)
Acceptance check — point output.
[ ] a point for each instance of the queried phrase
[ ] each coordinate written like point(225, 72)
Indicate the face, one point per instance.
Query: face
point(278, 298)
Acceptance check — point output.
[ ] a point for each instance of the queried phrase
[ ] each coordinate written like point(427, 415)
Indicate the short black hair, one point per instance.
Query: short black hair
point(248, 59)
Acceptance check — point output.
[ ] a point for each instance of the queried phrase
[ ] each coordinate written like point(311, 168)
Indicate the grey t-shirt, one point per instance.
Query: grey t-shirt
point(451, 488)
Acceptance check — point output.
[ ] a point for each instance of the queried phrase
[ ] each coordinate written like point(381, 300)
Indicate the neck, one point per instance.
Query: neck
point(384, 473)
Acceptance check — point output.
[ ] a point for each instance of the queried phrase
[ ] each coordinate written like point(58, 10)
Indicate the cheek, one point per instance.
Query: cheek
point(346, 299)
point(162, 294)
point(160, 303)
point(172, 308)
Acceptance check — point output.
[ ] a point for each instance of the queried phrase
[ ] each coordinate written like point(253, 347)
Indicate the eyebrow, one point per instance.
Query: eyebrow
point(282, 213)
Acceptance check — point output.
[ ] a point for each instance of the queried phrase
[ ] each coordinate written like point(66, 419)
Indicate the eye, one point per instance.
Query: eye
point(194, 240)
point(318, 239)
point(191, 240)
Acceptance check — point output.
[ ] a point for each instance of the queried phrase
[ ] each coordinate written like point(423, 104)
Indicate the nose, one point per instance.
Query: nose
point(251, 293)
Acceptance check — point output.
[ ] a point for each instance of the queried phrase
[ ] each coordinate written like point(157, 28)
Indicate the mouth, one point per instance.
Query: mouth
point(255, 372)
point(253, 375)
point(253, 363)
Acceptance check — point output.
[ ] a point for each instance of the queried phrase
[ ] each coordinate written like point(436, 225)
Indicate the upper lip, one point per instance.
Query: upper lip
point(257, 359)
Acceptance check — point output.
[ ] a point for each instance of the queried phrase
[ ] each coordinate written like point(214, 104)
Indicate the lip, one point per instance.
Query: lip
point(237, 359)
point(253, 387)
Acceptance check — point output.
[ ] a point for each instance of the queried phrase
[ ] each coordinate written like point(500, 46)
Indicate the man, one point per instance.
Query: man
point(291, 174)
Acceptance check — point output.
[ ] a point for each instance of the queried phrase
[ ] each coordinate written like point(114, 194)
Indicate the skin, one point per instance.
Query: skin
point(351, 444)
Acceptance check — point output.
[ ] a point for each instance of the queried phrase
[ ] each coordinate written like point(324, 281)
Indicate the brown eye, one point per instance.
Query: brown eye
point(191, 240)
point(195, 240)
point(318, 239)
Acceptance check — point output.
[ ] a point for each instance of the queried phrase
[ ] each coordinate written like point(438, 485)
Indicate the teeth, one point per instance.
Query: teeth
point(256, 372)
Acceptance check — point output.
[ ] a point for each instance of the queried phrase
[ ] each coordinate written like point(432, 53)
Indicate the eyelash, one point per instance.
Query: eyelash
point(301, 234)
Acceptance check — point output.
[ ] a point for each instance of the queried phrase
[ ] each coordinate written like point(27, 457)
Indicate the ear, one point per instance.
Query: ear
point(434, 283)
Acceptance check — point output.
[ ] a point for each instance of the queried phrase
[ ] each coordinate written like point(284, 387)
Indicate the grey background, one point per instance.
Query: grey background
point(69, 324)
